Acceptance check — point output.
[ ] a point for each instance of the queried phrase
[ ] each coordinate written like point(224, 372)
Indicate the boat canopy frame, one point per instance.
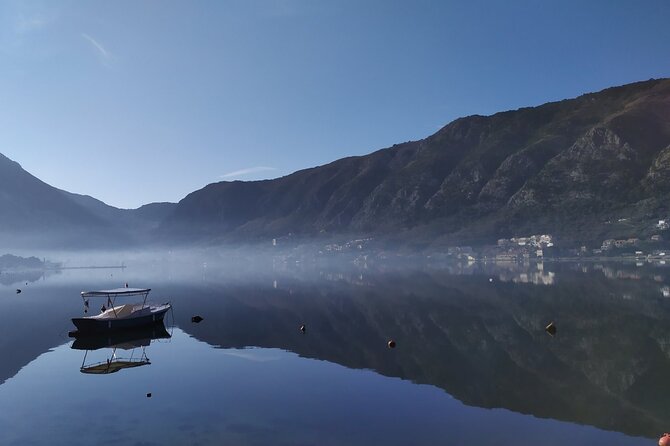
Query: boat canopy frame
point(117, 292)
point(112, 294)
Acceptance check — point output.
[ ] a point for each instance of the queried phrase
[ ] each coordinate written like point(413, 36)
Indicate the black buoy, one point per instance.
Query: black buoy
point(303, 328)
point(196, 319)
point(391, 343)
point(149, 395)
point(18, 291)
point(551, 328)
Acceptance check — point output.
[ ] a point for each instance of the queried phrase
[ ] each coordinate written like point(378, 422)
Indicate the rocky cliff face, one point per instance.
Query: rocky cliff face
point(565, 167)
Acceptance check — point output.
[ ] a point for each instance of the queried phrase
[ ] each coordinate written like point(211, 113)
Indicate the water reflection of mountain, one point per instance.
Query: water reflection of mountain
point(33, 322)
point(481, 342)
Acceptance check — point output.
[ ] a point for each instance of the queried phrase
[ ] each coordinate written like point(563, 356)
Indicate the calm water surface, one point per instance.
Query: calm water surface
point(472, 365)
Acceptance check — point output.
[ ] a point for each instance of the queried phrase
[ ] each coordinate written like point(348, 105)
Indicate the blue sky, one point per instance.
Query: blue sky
point(135, 102)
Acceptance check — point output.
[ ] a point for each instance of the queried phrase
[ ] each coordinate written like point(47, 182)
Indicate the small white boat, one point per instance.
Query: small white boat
point(118, 317)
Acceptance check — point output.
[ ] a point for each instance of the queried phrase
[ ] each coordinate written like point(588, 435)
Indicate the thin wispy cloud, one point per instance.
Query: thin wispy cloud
point(16, 33)
point(105, 55)
point(247, 171)
point(24, 24)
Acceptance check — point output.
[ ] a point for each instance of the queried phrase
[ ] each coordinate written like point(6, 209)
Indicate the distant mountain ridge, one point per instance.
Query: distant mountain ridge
point(37, 214)
point(564, 167)
point(34, 209)
point(570, 168)
point(144, 219)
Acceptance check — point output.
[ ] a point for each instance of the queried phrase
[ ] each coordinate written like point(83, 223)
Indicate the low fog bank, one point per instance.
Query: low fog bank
point(254, 256)
point(242, 263)
point(247, 264)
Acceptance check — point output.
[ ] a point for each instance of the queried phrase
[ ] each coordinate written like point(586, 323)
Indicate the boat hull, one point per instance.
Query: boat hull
point(93, 325)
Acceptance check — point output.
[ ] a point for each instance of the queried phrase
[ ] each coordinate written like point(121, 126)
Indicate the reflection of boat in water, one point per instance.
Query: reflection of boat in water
point(119, 341)
point(122, 316)
point(113, 365)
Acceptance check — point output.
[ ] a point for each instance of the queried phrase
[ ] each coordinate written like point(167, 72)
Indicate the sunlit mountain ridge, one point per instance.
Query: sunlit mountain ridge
point(568, 168)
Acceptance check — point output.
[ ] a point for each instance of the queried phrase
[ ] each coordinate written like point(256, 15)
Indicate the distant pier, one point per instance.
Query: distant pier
point(89, 267)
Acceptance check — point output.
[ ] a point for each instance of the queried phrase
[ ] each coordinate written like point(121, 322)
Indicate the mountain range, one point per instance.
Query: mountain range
point(574, 168)
point(37, 214)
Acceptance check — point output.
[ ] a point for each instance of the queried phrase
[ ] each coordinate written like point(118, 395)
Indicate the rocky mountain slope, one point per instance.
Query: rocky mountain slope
point(566, 167)
point(573, 168)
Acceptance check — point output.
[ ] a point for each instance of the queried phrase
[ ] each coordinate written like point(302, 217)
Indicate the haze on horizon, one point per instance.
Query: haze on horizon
point(142, 102)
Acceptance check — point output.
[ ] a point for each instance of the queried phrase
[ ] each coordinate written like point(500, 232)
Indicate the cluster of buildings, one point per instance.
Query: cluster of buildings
point(462, 252)
point(357, 244)
point(623, 243)
point(525, 247)
point(632, 242)
point(537, 241)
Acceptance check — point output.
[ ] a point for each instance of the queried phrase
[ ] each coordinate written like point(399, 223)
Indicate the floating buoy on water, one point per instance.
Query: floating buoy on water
point(391, 343)
point(664, 440)
point(303, 328)
point(149, 395)
point(491, 279)
point(551, 328)
point(196, 319)
point(18, 291)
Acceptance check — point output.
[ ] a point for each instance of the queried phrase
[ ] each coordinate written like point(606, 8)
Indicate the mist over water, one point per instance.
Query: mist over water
point(470, 338)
